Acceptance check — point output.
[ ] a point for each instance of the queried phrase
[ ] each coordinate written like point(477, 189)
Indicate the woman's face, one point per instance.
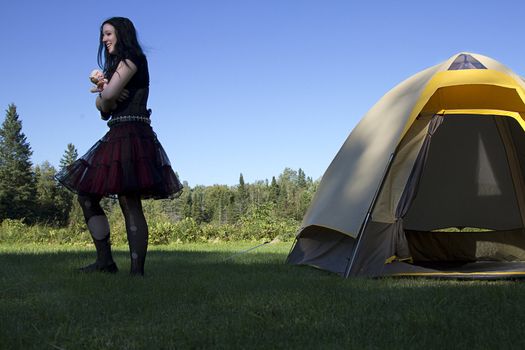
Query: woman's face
point(109, 37)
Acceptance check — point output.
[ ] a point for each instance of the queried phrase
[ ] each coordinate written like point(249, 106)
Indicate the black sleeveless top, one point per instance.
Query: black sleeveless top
point(138, 87)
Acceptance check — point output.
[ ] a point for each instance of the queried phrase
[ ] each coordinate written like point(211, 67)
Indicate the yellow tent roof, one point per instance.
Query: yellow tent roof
point(470, 89)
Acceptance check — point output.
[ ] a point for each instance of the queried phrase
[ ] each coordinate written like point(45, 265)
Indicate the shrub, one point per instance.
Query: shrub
point(186, 230)
point(224, 232)
point(12, 230)
point(260, 223)
point(161, 232)
point(16, 231)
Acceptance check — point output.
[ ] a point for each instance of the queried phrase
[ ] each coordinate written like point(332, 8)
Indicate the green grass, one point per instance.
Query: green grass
point(193, 298)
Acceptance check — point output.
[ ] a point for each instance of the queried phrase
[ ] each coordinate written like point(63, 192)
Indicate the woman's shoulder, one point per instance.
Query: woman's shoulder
point(141, 77)
point(138, 59)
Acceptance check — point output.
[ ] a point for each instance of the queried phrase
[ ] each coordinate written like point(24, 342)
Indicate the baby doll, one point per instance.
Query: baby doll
point(97, 78)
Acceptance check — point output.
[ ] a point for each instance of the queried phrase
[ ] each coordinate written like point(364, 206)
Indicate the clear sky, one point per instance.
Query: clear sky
point(240, 86)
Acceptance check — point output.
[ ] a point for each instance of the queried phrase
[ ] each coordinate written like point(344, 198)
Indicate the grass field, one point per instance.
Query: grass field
point(193, 298)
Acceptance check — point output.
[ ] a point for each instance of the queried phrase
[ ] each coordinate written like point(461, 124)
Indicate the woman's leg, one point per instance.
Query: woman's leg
point(137, 231)
point(98, 226)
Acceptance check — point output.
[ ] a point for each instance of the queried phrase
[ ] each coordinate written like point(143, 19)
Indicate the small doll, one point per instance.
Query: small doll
point(97, 78)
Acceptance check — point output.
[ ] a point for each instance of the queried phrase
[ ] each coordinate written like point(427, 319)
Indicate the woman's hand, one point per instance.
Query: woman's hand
point(114, 91)
point(123, 95)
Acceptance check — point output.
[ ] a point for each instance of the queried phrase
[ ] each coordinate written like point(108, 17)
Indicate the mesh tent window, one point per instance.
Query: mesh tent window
point(465, 61)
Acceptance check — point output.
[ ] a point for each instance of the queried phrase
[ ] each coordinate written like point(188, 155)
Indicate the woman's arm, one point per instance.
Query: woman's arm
point(107, 99)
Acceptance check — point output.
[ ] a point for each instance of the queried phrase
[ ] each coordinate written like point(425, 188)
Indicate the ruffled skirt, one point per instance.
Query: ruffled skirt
point(129, 159)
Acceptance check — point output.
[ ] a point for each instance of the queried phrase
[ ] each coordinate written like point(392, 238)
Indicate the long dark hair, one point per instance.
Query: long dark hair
point(127, 45)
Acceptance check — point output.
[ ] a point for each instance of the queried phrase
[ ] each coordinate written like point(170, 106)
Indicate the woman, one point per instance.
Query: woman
point(128, 161)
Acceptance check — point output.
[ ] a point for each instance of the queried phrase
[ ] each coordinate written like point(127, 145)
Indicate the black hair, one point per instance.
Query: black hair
point(127, 45)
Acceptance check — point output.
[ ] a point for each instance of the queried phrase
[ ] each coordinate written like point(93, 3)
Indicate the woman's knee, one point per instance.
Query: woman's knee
point(90, 205)
point(130, 202)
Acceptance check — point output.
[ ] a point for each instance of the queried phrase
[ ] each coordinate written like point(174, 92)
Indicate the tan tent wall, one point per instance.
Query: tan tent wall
point(322, 248)
point(492, 64)
point(402, 165)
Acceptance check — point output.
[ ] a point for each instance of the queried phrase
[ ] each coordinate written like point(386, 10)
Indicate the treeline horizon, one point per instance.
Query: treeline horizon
point(30, 193)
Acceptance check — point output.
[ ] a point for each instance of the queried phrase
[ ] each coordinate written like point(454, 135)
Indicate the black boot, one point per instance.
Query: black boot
point(104, 261)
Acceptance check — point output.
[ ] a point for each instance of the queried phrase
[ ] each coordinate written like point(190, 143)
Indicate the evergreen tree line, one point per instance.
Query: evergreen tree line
point(287, 196)
point(31, 193)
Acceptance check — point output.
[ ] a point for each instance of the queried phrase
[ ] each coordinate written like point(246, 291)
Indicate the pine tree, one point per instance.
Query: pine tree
point(198, 212)
point(274, 191)
point(17, 180)
point(283, 204)
point(70, 155)
point(242, 194)
point(230, 209)
point(242, 187)
point(301, 178)
point(186, 200)
point(67, 208)
point(47, 193)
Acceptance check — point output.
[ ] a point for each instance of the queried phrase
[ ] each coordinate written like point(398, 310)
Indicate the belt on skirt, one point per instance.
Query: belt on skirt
point(128, 118)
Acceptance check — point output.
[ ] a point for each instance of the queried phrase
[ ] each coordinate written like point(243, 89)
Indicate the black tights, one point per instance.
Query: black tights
point(137, 231)
point(136, 228)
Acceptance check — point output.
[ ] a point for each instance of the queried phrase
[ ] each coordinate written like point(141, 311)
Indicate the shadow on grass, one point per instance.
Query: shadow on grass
point(195, 298)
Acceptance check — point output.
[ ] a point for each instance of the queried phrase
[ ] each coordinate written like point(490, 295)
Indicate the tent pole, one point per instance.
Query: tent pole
point(368, 216)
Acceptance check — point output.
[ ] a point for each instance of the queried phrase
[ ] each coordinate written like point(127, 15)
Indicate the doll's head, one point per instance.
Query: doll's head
point(96, 76)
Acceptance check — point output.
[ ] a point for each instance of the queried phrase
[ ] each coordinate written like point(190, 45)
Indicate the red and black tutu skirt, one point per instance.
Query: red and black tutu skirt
point(129, 159)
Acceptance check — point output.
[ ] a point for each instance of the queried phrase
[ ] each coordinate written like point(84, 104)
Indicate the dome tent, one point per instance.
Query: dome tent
point(430, 182)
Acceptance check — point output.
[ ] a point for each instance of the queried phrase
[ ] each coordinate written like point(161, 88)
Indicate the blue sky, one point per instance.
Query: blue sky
point(240, 86)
